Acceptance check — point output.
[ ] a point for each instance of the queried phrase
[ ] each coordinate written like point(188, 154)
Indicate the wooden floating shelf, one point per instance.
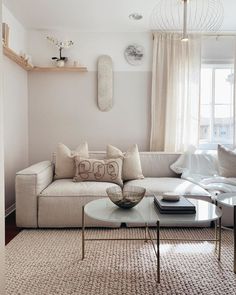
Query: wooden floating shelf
point(17, 59)
point(59, 69)
point(28, 67)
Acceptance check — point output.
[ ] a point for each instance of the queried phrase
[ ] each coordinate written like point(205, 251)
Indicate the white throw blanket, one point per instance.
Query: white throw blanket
point(214, 183)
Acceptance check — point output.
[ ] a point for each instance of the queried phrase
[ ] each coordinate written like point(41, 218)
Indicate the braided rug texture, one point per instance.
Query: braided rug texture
point(48, 262)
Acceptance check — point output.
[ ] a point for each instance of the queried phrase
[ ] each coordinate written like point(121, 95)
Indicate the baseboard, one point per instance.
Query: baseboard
point(9, 210)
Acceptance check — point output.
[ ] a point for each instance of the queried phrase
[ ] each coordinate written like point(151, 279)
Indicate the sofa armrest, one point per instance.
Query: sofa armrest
point(29, 183)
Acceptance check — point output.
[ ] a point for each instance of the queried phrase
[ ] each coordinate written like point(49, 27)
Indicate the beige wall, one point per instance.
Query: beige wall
point(2, 219)
point(15, 90)
point(63, 108)
point(88, 46)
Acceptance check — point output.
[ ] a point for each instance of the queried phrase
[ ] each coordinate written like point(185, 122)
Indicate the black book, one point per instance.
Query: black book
point(181, 206)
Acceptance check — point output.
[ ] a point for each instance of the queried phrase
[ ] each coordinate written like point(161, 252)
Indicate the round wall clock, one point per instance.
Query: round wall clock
point(134, 54)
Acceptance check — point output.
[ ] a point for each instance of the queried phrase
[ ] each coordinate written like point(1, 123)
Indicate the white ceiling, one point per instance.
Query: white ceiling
point(95, 15)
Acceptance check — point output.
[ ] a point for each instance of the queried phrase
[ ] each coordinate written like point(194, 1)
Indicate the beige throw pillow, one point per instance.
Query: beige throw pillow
point(131, 161)
point(227, 161)
point(65, 164)
point(108, 170)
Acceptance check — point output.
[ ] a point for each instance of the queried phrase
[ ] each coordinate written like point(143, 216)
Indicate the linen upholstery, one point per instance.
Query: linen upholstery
point(64, 165)
point(60, 204)
point(68, 188)
point(165, 184)
point(109, 170)
point(66, 211)
point(42, 202)
point(154, 164)
point(157, 164)
point(29, 183)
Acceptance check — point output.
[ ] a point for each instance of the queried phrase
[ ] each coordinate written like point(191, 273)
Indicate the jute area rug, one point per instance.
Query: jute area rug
point(48, 262)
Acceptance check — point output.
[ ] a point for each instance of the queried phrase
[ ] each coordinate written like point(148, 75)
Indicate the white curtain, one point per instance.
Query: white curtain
point(234, 97)
point(175, 92)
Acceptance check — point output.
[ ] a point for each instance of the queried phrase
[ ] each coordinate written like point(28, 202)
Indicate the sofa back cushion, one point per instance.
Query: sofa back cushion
point(64, 160)
point(154, 164)
point(132, 168)
point(157, 164)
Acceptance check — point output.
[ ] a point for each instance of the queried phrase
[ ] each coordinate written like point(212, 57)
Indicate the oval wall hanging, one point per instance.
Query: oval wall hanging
point(105, 83)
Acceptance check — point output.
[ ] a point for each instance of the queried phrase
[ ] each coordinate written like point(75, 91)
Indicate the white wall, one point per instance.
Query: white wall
point(2, 207)
point(218, 48)
point(88, 46)
point(15, 92)
point(17, 36)
point(63, 106)
point(15, 89)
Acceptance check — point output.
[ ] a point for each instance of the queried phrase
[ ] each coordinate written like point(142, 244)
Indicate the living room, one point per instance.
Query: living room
point(142, 93)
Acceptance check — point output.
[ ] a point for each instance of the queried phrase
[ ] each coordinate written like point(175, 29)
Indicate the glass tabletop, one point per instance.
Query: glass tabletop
point(228, 199)
point(145, 212)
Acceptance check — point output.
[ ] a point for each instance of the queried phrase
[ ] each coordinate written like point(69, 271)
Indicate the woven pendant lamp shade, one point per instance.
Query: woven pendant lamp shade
point(187, 16)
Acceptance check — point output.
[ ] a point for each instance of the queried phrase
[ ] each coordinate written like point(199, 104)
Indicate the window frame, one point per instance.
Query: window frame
point(214, 65)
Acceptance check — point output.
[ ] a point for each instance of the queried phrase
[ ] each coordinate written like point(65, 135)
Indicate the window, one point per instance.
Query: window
point(216, 107)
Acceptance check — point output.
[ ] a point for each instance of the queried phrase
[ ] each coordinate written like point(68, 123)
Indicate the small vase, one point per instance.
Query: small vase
point(60, 63)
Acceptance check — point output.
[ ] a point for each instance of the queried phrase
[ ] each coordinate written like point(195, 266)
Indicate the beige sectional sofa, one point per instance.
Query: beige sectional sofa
point(44, 202)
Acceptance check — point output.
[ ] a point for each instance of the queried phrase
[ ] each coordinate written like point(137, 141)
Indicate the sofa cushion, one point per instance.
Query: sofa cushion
point(68, 188)
point(131, 161)
point(165, 184)
point(65, 164)
point(157, 164)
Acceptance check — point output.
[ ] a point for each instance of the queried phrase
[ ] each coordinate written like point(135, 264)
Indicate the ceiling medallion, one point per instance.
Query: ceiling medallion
point(135, 16)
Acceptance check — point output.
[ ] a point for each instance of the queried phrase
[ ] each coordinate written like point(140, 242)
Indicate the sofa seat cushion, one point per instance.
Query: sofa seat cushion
point(68, 188)
point(170, 184)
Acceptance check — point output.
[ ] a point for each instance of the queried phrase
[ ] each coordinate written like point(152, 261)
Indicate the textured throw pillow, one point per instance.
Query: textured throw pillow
point(65, 164)
point(227, 161)
point(131, 161)
point(107, 170)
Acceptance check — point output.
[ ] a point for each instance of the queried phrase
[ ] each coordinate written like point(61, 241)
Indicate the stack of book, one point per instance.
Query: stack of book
point(182, 206)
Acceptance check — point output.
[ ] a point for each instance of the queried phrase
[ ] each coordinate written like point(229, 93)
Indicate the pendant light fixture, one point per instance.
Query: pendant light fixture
point(187, 16)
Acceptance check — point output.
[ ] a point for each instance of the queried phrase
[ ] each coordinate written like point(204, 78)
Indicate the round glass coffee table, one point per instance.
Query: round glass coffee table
point(229, 200)
point(146, 213)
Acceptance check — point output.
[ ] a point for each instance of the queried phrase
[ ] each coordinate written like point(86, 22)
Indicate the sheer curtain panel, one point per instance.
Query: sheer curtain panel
point(175, 92)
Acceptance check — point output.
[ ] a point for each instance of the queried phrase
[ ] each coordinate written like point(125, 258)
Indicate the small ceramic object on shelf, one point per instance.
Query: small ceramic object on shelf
point(60, 63)
point(170, 197)
point(76, 63)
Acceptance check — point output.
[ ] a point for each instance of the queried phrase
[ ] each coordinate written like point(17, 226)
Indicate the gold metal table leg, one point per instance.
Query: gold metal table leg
point(234, 239)
point(83, 229)
point(158, 252)
point(146, 233)
point(216, 235)
point(219, 240)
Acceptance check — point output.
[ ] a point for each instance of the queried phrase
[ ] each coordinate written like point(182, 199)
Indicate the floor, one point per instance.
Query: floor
point(40, 262)
point(10, 227)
